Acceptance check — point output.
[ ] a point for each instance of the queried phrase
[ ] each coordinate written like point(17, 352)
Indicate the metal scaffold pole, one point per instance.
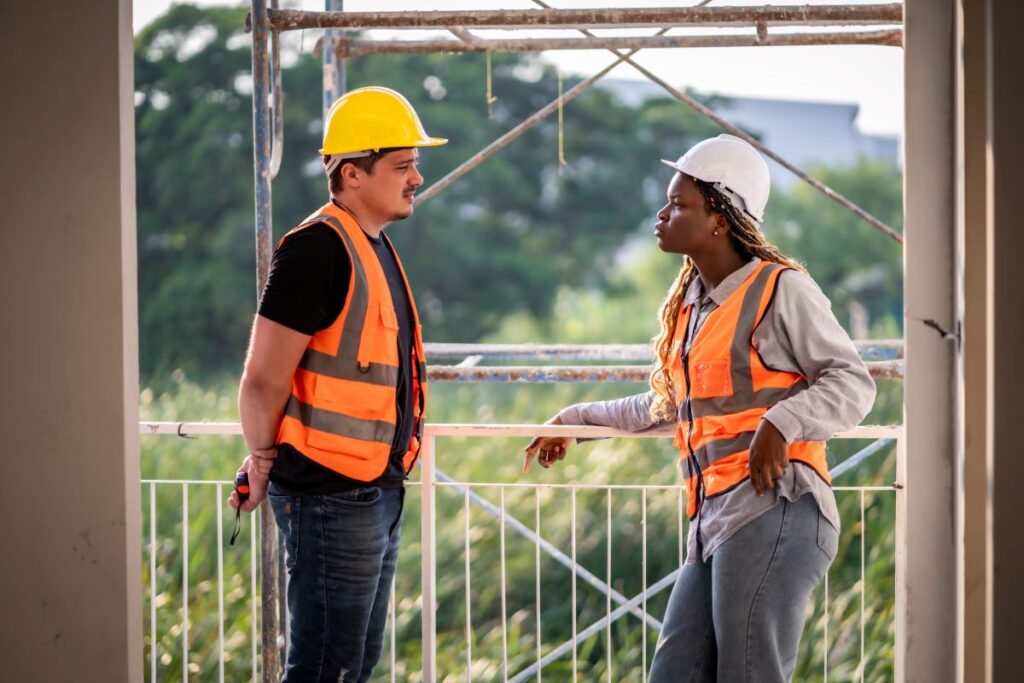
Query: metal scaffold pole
point(617, 18)
point(334, 66)
point(262, 165)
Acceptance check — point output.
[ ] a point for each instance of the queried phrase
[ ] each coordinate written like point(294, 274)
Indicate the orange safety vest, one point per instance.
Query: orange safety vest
point(723, 389)
point(342, 412)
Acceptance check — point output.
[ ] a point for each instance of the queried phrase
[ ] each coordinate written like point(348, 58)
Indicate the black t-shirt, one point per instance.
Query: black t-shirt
point(305, 291)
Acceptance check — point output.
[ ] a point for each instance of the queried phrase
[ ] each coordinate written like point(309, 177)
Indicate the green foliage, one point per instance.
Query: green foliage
point(516, 222)
point(849, 258)
point(194, 190)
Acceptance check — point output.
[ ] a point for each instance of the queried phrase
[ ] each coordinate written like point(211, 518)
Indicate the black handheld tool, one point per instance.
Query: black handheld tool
point(242, 489)
point(242, 486)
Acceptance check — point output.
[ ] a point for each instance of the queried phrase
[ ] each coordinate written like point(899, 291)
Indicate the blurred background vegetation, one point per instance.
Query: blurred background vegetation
point(516, 251)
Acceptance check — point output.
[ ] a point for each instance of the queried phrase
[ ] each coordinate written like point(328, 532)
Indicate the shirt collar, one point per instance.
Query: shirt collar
point(725, 288)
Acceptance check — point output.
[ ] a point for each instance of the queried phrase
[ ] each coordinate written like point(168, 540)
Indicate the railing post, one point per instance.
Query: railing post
point(429, 557)
point(899, 655)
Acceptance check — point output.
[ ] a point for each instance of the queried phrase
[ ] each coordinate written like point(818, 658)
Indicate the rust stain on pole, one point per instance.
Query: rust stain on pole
point(870, 349)
point(888, 369)
point(360, 48)
point(292, 20)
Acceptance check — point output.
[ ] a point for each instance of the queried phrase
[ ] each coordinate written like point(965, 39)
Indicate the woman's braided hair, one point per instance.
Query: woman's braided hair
point(749, 241)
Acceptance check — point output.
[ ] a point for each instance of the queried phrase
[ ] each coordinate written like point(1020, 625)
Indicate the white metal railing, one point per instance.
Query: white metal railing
point(473, 495)
point(215, 494)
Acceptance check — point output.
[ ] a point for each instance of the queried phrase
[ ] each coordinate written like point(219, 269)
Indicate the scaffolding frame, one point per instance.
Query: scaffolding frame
point(266, 23)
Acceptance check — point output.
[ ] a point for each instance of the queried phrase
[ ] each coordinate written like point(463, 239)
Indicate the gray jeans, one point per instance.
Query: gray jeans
point(739, 616)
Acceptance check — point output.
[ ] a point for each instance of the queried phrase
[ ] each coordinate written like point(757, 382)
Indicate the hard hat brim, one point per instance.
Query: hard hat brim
point(673, 165)
point(428, 142)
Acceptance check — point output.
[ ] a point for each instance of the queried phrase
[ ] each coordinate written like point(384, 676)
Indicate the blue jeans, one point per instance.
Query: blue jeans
point(341, 551)
point(739, 616)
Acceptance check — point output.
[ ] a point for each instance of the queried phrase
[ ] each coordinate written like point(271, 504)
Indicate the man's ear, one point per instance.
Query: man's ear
point(351, 174)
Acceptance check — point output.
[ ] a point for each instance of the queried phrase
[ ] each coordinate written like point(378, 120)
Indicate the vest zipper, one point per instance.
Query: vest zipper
point(691, 459)
point(692, 463)
point(417, 398)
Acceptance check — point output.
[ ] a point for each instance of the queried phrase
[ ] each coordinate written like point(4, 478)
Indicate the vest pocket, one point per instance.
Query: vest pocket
point(379, 340)
point(369, 402)
point(711, 378)
point(353, 411)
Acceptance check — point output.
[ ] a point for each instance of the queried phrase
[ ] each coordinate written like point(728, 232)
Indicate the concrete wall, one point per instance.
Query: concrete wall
point(993, 371)
point(1006, 341)
point(70, 504)
point(926, 512)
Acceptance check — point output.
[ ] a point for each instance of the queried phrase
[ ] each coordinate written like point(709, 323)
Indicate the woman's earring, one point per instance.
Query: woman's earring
point(716, 232)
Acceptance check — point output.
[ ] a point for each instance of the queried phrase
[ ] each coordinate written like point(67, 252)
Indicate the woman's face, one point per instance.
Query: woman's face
point(684, 224)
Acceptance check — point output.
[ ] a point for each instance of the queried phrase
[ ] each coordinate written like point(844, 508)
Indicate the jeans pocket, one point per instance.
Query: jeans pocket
point(361, 497)
point(286, 513)
point(828, 537)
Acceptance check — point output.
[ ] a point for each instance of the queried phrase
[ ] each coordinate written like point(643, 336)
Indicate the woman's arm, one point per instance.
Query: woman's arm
point(800, 333)
point(630, 414)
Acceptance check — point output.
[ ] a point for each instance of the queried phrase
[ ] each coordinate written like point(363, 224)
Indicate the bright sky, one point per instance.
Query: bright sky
point(871, 76)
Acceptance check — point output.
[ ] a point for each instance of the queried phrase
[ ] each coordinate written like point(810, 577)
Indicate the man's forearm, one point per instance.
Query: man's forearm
point(260, 408)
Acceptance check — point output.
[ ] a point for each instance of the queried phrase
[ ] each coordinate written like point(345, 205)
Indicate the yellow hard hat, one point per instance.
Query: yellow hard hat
point(371, 119)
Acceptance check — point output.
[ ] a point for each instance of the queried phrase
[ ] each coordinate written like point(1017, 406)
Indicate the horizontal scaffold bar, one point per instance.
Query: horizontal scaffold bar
point(871, 349)
point(886, 369)
point(620, 352)
point(360, 48)
point(807, 15)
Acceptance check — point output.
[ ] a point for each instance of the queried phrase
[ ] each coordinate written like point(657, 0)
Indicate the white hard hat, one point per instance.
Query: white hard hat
point(733, 167)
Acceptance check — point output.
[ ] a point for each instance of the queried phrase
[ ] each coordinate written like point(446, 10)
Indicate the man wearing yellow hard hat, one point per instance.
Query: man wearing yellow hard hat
point(334, 390)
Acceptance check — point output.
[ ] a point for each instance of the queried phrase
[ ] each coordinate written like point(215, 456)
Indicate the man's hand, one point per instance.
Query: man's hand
point(551, 449)
point(263, 459)
point(768, 459)
point(258, 485)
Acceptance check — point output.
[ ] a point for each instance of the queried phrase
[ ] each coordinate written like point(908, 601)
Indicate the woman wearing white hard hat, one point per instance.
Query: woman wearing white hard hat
point(755, 373)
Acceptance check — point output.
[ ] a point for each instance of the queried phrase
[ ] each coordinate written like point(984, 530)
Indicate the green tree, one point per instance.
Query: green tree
point(850, 259)
point(194, 190)
point(489, 245)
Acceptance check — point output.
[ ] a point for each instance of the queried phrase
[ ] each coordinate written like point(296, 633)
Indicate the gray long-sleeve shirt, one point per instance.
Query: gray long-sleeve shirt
point(798, 334)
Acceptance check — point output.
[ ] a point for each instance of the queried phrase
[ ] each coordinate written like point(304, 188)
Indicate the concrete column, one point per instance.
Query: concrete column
point(926, 562)
point(1006, 341)
point(70, 575)
point(973, 271)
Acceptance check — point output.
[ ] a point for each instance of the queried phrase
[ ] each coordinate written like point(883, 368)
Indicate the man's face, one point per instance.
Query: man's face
point(390, 189)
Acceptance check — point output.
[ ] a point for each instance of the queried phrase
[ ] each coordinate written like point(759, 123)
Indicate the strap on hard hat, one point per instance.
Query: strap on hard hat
point(736, 200)
point(333, 161)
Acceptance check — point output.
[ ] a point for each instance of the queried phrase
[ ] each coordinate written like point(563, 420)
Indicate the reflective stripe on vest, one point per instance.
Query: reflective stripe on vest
point(342, 412)
point(724, 388)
